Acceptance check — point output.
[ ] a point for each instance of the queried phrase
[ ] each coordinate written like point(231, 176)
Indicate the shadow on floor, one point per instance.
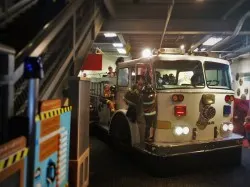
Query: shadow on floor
point(109, 168)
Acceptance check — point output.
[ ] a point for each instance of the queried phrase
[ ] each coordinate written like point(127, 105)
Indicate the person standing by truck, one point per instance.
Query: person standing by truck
point(247, 129)
point(149, 108)
point(118, 60)
point(110, 72)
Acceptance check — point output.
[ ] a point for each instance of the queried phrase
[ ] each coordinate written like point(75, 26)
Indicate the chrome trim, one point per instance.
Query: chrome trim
point(190, 148)
point(201, 151)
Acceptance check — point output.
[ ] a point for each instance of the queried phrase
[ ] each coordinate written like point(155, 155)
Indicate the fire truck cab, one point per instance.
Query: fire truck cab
point(194, 104)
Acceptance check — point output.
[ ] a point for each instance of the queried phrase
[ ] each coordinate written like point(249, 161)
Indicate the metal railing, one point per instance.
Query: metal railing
point(13, 10)
point(56, 44)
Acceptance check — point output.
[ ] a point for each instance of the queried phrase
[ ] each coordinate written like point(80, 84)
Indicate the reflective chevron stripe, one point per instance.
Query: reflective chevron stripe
point(12, 159)
point(52, 113)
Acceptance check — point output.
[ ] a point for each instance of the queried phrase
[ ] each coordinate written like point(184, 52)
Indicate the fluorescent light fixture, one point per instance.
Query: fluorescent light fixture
point(117, 44)
point(212, 41)
point(203, 49)
point(196, 50)
point(182, 47)
point(121, 50)
point(110, 34)
point(146, 53)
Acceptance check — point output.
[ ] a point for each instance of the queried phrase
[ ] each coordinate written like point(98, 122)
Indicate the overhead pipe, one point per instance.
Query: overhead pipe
point(238, 52)
point(235, 33)
point(244, 56)
point(237, 5)
point(167, 21)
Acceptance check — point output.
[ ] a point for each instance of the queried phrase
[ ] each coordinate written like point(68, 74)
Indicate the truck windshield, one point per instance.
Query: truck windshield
point(217, 75)
point(178, 74)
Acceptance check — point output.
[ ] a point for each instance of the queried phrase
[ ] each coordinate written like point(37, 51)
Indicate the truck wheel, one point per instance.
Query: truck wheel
point(120, 133)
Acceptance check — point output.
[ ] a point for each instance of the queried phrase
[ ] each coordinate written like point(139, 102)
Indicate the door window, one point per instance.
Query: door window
point(123, 77)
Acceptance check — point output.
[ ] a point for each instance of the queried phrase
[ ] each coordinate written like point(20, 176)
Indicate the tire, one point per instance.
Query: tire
point(120, 133)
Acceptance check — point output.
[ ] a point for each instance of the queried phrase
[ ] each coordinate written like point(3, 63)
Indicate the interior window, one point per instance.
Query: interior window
point(133, 76)
point(184, 77)
point(123, 77)
point(217, 75)
point(183, 74)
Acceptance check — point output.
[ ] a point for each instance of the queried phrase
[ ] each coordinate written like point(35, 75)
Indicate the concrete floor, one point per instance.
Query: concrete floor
point(108, 168)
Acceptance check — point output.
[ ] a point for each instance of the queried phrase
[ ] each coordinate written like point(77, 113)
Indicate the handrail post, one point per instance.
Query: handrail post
point(33, 71)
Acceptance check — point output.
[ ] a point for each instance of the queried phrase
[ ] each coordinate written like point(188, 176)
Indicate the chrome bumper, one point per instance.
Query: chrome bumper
point(168, 150)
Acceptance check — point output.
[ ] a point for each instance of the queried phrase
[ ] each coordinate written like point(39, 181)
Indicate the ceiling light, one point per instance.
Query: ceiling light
point(121, 50)
point(196, 50)
point(146, 53)
point(117, 44)
point(110, 34)
point(203, 49)
point(212, 41)
point(199, 0)
point(182, 47)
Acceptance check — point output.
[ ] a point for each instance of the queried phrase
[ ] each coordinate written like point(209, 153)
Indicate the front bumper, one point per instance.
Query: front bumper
point(169, 150)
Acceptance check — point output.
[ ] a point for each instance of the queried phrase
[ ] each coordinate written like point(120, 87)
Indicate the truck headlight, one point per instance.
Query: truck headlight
point(227, 127)
point(178, 131)
point(231, 127)
point(185, 130)
point(181, 131)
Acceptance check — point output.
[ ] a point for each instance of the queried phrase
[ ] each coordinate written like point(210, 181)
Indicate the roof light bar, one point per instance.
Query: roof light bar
point(212, 41)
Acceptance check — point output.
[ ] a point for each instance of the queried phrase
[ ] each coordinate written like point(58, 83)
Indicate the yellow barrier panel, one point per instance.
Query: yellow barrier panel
point(52, 113)
point(12, 159)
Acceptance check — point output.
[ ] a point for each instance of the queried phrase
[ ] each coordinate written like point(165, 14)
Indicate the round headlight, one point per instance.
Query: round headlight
point(185, 130)
point(231, 127)
point(178, 131)
point(225, 127)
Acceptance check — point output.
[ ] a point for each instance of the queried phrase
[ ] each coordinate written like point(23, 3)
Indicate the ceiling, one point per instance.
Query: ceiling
point(140, 23)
